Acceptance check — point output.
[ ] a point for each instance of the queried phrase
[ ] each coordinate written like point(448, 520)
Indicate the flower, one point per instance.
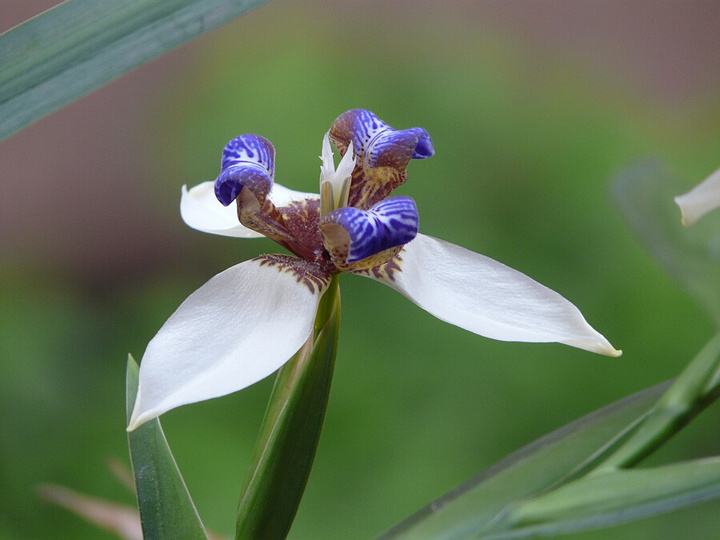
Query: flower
point(247, 321)
point(700, 200)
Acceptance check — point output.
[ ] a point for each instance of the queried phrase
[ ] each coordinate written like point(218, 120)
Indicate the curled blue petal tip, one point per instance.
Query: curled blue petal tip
point(395, 148)
point(424, 147)
point(390, 223)
point(231, 181)
point(247, 160)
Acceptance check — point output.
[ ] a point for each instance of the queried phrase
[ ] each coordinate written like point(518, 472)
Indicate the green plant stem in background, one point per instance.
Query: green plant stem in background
point(167, 511)
point(575, 478)
point(611, 498)
point(80, 45)
point(290, 430)
point(695, 388)
point(547, 462)
point(610, 493)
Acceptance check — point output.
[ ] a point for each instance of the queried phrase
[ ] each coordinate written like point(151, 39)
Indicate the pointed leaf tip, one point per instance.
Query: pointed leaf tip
point(166, 508)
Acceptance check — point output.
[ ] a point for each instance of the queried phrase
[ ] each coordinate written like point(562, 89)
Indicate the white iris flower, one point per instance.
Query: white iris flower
point(247, 321)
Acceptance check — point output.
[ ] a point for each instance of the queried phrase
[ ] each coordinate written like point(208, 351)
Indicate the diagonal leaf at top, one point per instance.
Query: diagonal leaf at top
point(78, 46)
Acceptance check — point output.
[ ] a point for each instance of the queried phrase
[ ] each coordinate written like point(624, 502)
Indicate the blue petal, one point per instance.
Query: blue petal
point(373, 137)
point(424, 147)
point(247, 160)
point(231, 181)
point(391, 222)
point(249, 148)
point(392, 148)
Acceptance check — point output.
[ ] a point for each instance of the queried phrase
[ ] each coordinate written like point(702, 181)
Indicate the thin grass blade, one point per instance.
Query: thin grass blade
point(691, 392)
point(611, 499)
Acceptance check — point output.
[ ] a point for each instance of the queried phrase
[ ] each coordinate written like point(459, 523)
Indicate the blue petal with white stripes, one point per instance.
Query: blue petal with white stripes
point(390, 223)
point(383, 153)
point(247, 161)
point(373, 138)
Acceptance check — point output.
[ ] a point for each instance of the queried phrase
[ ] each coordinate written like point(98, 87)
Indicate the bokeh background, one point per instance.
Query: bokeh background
point(533, 106)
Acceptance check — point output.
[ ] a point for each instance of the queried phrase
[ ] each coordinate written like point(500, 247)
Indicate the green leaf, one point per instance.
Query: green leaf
point(612, 498)
point(290, 432)
point(645, 194)
point(166, 509)
point(80, 45)
point(548, 462)
point(696, 388)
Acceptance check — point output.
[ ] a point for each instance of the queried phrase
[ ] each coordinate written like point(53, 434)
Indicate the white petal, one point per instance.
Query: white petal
point(346, 165)
point(327, 169)
point(700, 200)
point(238, 328)
point(201, 210)
point(328, 173)
point(488, 298)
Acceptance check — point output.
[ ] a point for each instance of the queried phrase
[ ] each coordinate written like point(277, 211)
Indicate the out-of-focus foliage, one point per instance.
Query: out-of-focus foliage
point(76, 47)
point(554, 458)
point(521, 174)
point(644, 192)
point(580, 477)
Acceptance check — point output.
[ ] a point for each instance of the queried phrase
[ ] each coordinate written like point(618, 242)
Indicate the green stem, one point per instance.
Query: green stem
point(290, 430)
point(696, 387)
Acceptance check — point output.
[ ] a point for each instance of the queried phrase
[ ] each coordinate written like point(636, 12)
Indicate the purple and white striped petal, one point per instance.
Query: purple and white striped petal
point(393, 148)
point(371, 136)
point(352, 235)
point(383, 153)
point(247, 161)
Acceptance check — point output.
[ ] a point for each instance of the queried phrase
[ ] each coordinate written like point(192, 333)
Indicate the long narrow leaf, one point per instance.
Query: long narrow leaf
point(166, 510)
point(290, 431)
point(693, 390)
point(78, 46)
point(548, 461)
point(612, 498)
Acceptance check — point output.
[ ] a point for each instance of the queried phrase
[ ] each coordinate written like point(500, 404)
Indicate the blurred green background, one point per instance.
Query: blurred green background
point(532, 107)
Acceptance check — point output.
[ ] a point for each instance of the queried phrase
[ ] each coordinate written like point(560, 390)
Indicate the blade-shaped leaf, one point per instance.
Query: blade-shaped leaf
point(78, 46)
point(693, 390)
point(612, 498)
point(645, 193)
point(166, 509)
point(291, 430)
point(471, 508)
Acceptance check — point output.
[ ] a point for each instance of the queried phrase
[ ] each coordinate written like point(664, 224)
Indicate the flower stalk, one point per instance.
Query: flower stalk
point(290, 430)
point(694, 389)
